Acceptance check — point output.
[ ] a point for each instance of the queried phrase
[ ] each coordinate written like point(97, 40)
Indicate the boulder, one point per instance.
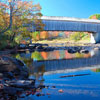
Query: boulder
point(14, 80)
point(13, 68)
point(23, 84)
point(72, 50)
point(84, 51)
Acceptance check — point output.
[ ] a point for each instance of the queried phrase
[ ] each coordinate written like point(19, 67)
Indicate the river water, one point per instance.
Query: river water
point(66, 76)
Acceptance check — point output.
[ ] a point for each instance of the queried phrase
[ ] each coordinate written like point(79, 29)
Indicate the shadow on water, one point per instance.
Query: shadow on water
point(57, 70)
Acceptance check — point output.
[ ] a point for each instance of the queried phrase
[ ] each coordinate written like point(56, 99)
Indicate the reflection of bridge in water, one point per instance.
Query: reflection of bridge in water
point(61, 66)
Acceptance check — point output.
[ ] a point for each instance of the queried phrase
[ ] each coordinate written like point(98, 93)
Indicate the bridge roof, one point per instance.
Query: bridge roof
point(70, 19)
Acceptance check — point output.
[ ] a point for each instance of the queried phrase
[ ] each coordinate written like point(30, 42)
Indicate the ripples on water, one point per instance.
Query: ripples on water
point(48, 67)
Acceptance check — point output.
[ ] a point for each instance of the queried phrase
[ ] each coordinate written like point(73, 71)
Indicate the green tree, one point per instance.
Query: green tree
point(78, 36)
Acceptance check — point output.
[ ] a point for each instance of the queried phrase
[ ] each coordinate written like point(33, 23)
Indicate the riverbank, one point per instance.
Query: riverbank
point(63, 40)
point(49, 45)
point(6, 52)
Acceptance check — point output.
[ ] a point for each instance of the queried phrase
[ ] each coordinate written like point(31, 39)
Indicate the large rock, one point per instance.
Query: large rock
point(13, 68)
point(14, 81)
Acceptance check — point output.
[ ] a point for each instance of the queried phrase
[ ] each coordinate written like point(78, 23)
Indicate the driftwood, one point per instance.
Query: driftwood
point(74, 75)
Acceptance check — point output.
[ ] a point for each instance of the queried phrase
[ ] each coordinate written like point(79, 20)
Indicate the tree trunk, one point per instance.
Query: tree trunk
point(10, 19)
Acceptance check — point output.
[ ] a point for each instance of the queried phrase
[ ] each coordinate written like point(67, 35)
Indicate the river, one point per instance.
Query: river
point(65, 76)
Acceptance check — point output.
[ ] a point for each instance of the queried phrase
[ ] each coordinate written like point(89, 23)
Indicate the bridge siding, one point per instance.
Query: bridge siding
point(53, 25)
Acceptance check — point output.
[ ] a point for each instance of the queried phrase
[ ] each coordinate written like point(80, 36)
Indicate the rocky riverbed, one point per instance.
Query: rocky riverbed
point(72, 48)
point(14, 79)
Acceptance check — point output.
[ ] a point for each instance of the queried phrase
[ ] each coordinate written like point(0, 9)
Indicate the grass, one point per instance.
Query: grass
point(64, 40)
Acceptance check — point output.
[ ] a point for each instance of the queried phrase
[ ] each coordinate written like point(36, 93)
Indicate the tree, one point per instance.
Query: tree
point(79, 36)
point(18, 17)
point(95, 16)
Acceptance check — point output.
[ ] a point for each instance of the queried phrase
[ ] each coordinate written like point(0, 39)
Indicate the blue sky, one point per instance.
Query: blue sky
point(70, 8)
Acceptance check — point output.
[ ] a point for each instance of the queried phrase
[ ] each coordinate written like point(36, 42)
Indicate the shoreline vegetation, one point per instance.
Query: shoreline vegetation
point(6, 46)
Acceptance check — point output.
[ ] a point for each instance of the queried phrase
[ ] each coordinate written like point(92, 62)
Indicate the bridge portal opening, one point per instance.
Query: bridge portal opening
point(62, 36)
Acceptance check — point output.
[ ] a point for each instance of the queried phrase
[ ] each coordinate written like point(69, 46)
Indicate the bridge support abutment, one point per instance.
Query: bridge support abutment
point(95, 37)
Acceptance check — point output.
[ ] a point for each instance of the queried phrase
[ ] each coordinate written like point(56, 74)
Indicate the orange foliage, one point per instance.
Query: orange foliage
point(37, 37)
point(87, 55)
point(23, 42)
point(43, 34)
point(44, 55)
point(56, 33)
point(68, 55)
point(67, 33)
point(4, 5)
point(56, 53)
point(94, 17)
point(16, 13)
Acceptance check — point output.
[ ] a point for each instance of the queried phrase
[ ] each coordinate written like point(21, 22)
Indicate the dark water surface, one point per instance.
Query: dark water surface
point(65, 76)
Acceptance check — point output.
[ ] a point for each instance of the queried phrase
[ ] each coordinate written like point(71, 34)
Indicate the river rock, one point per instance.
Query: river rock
point(84, 51)
point(70, 50)
point(96, 48)
point(13, 68)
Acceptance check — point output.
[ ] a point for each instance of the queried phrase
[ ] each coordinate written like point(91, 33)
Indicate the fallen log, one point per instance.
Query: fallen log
point(74, 75)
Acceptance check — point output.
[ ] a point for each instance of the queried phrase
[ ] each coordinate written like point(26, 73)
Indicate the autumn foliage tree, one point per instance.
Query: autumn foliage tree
point(19, 18)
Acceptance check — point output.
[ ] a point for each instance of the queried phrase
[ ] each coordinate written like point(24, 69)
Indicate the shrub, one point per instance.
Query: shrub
point(78, 36)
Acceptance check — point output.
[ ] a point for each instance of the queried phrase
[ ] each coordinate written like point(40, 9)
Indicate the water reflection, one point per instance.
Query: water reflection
point(48, 67)
point(96, 70)
point(56, 54)
point(77, 88)
point(58, 61)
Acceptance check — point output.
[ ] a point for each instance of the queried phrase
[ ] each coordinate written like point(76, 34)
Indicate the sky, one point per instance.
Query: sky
point(70, 8)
